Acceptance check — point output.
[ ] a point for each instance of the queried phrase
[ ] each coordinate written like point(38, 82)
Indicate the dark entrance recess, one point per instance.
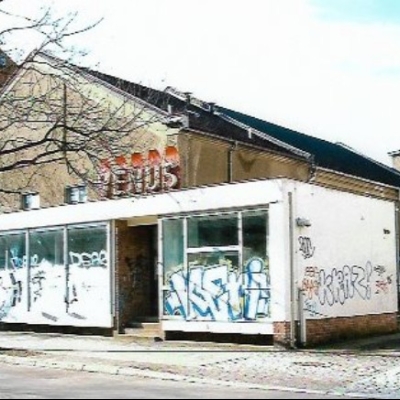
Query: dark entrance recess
point(137, 288)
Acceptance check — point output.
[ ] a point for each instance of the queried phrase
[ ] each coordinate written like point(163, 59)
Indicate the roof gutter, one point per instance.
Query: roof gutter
point(263, 135)
point(359, 178)
point(236, 142)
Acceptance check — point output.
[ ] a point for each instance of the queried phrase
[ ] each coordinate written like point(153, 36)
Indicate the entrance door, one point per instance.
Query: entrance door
point(138, 280)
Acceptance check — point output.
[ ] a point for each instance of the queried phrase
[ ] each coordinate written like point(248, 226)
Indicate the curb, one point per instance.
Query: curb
point(164, 376)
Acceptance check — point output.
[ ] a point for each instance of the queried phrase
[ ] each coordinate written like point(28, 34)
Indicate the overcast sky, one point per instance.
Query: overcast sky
point(327, 68)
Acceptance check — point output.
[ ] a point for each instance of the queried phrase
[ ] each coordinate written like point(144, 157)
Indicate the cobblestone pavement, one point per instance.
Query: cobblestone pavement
point(374, 374)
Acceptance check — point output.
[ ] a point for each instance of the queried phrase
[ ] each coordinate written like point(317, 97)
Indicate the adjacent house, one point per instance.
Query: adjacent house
point(214, 224)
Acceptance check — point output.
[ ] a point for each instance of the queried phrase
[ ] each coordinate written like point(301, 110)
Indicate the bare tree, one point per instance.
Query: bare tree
point(56, 116)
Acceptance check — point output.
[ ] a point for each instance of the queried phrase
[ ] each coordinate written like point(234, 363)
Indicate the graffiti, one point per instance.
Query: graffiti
point(310, 283)
point(89, 260)
point(37, 284)
point(380, 270)
point(138, 267)
point(311, 306)
point(22, 262)
point(219, 293)
point(140, 174)
point(306, 248)
point(72, 295)
point(346, 283)
point(10, 294)
point(383, 285)
point(16, 261)
point(16, 289)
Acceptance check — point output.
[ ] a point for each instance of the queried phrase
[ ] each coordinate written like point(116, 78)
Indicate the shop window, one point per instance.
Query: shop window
point(226, 273)
point(213, 230)
point(46, 247)
point(87, 246)
point(13, 251)
point(254, 227)
point(3, 252)
point(173, 247)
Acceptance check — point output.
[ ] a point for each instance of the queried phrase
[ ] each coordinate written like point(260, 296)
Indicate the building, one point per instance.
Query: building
point(215, 224)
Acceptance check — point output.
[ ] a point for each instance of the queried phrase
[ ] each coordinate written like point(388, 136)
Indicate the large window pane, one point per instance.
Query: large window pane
point(256, 283)
point(3, 252)
point(46, 247)
point(212, 230)
point(47, 274)
point(173, 249)
point(16, 254)
point(88, 276)
point(214, 286)
point(87, 246)
point(254, 235)
point(175, 298)
point(13, 278)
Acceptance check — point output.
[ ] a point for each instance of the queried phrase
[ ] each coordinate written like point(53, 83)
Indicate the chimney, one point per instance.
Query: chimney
point(395, 155)
point(188, 96)
point(211, 107)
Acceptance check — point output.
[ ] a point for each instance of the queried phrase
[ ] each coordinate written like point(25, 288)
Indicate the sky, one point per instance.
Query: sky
point(327, 68)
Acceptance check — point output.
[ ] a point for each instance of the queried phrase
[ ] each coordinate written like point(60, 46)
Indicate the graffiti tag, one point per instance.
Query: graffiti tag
point(218, 293)
point(306, 248)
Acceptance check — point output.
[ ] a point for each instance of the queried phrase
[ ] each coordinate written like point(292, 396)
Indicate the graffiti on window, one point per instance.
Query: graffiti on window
point(220, 293)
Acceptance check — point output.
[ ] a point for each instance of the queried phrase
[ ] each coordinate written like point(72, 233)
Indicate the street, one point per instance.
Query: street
point(18, 382)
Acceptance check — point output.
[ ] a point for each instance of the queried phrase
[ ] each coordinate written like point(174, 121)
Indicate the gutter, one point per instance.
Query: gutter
point(265, 136)
point(292, 283)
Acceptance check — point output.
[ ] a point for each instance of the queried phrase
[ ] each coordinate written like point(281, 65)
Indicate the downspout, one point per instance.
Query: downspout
point(313, 169)
point(293, 294)
point(115, 293)
point(230, 161)
point(397, 233)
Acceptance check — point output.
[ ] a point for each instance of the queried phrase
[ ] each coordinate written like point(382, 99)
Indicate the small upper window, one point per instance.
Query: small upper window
point(3, 61)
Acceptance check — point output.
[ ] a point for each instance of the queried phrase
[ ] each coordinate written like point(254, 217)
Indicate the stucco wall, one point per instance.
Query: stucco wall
point(346, 259)
point(208, 160)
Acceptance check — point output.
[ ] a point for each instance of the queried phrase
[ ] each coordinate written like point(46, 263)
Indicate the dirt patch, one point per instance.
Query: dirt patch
point(19, 353)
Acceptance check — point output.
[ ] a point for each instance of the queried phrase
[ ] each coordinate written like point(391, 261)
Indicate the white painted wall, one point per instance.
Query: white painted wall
point(192, 200)
point(279, 260)
point(346, 260)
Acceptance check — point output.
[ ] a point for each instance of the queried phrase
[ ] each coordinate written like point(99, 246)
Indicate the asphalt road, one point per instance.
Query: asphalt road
point(18, 382)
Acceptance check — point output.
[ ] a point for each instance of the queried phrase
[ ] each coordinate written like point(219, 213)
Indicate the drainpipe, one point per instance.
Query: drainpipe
point(292, 284)
point(397, 233)
point(230, 162)
point(115, 281)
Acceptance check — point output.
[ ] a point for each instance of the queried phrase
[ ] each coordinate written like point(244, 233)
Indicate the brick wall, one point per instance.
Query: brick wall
point(282, 333)
point(134, 272)
point(335, 329)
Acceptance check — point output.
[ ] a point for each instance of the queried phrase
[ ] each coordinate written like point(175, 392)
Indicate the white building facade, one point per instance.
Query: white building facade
point(276, 258)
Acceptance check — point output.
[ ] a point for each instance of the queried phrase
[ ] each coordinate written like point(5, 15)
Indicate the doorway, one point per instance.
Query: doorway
point(137, 274)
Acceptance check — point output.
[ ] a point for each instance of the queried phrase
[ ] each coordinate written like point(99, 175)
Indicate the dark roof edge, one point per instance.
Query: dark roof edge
point(378, 163)
point(263, 135)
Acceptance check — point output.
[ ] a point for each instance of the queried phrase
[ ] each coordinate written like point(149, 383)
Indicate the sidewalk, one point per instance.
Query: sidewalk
point(363, 368)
